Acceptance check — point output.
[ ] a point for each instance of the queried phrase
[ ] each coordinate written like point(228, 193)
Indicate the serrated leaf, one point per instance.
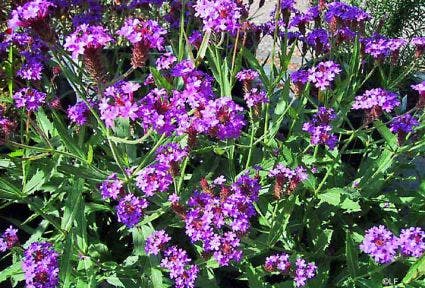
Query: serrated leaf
point(13, 269)
point(389, 137)
point(417, 270)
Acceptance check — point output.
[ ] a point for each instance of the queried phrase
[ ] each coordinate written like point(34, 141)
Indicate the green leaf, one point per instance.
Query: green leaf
point(203, 48)
point(417, 270)
point(389, 137)
point(13, 269)
point(254, 278)
point(338, 197)
point(351, 253)
point(9, 190)
point(65, 261)
point(281, 220)
point(160, 80)
point(72, 205)
point(66, 138)
point(35, 182)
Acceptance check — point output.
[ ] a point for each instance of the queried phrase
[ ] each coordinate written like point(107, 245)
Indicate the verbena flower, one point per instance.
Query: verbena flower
point(178, 263)
point(403, 124)
point(156, 242)
point(419, 43)
point(380, 244)
point(29, 98)
point(278, 262)
point(412, 242)
point(130, 209)
point(112, 187)
point(218, 15)
point(118, 102)
point(286, 179)
point(31, 70)
point(165, 61)
point(320, 128)
point(92, 13)
point(255, 97)
point(78, 113)
point(303, 272)
point(376, 100)
point(171, 155)
point(148, 32)
point(323, 74)
point(41, 266)
point(31, 13)
point(247, 75)
point(340, 14)
point(420, 88)
point(86, 38)
point(318, 39)
point(154, 178)
point(380, 47)
point(8, 239)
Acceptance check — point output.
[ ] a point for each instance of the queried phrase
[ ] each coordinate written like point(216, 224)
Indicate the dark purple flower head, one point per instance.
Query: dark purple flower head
point(303, 272)
point(165, 61)
point(112, 187)
point(183, 69)
point(195, 39)
point(376, 98)
point(403, 124)
point(218, 15)
point(8, 239)
point(148, 32)
point(154, 178)
point(299, 77)
point(323, 74)
point(156, 242)
point(31, 70)
point(92, 14)
point(318, 39)
point(320, 128)
point(30, 13)
point(380, 244)
point(119, 102)
point(278, 262)
point(41, 266)
point(86, 38)
point(130, 209)
point(300, 20)
point(412, 242)
point(286, 179)
point(340, 14)
point(78, 113)
point(29, 98)
point(255, 97)
point(171, 153)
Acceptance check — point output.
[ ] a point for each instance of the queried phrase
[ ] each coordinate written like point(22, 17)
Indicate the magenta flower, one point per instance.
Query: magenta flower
point(286, 179)
point(8, 239)
point(148, 32)
point(78, 113)
point(420, 88)
point(165, 61)
point(323, 74)
point(380, 244)
point(41, 266)
point(130, 209)
point(255, 98)
point(154, 178)
point(87, 38)
point(247, 75)
point(119, 103)
point(171, 155)
point(412, 242)
point(30, 14)
point(29, 98)
point(278, 262)
point(156, 242)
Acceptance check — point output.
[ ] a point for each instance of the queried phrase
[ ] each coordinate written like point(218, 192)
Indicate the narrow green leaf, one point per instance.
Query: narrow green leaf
point(417, 270)
point(389, 137)
point(351, 253)
point(72, 206)
point(65, 261)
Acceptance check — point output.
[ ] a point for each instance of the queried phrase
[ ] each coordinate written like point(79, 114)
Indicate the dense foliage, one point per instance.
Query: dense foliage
point(144, 145)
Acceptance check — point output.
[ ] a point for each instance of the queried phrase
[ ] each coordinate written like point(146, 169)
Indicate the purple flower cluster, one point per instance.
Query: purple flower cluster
point(156, 242)
point(165, 61)
point(320, 128)
point(318, 39)
point(112, 187)
point(382, 245)
point(87, 39)
point(182, 272)
point(286, 179)
point(91, 14)
point(412, 241)
point(376, 100)
point(340, 14)
point(254, 98)
point(78, 113)
point(118, 101)
point(30, 14)
point(280, 262)
point(147, 32)
point(218, 15)
point(41, 266)
point(323, 74)
point(299, 78)
point(403, 124)
point(247, 75)
point(29, 98)
point(130, 209)
point(220, 220)
point(420, 88)
point(154, 178)
point(380, 47)
point(171, 155)
point(8, 239)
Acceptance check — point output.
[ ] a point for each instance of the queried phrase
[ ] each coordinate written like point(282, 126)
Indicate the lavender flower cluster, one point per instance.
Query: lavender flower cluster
point(286, 179)
point(301, 271)
point(320, 129)
point(8, 239)
point(383, 246)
